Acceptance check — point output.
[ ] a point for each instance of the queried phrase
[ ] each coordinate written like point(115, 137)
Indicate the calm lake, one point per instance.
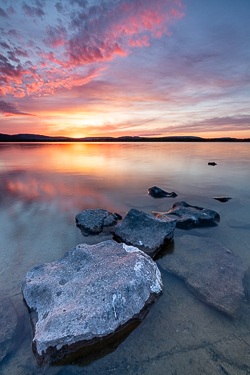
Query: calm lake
point(43, 187)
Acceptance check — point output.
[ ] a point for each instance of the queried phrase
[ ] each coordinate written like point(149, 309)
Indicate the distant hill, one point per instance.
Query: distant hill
point(30, 138)
point(45, 138)
point(41, 138)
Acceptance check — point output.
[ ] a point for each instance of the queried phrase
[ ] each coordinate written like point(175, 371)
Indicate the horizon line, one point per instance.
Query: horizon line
point(27, 137)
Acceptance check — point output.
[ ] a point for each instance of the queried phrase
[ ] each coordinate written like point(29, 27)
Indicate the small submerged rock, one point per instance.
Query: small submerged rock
point(212, 163)
point(157, 192)
point(93, 222)
point(222, 199)
point(8, 325)
point(210, 270)
point(144, 231)
point(89, 294)
point(238, 224)
point(187, 216)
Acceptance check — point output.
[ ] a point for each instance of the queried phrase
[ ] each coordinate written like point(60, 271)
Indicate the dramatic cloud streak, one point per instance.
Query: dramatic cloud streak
point(74, 53)
point(8, 109)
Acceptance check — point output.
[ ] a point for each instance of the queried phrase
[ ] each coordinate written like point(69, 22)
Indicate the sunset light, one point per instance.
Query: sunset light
point(128, 67)
point(124, 187)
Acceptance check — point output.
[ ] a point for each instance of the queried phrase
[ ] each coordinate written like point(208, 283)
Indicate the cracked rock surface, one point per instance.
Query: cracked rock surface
point(211, 271)
point(144, 231)
point(88, 294)
point(93, 222)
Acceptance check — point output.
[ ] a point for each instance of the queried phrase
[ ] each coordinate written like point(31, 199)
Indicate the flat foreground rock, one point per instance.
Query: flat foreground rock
point(211, 271)
point(145, 232)
point(187, 216)
point(93, 222)
point(8, 324)
point(87, 295)
point(157, 192)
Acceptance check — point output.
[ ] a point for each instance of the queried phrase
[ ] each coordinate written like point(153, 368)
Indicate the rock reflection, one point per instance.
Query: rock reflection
point(85, 356)
point(166, 249)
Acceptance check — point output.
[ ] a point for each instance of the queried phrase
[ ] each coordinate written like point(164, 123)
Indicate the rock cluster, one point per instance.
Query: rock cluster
point(94, 291)
point(88, 294)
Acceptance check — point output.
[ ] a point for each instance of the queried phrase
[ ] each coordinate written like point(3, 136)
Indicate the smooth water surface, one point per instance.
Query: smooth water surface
point(43, 187)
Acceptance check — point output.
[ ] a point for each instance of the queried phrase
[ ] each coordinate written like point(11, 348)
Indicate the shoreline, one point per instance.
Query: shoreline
point(45, 139)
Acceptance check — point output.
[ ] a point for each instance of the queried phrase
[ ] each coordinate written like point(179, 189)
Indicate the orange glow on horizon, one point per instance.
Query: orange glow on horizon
point(240, 134)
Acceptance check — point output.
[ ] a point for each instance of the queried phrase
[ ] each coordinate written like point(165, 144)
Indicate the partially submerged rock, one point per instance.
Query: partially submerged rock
point(93, 222)
point(222, 199)
point(144, 231)
point(212, 163)
point(232, 223)
point(8, 325)
point(87, 295)
point(157, 192)
point(187, 216)
point(211, 271)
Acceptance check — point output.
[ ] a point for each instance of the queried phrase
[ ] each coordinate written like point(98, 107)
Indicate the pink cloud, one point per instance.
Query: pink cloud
point(9, 109)
point(118, 50)
point(56, 36)
point(92, 35)
point(140, 42)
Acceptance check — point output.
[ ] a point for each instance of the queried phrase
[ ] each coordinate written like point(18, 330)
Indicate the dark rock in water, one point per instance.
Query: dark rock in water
point(145, 232)
point(187, 216)
point(212, 163)
point(87, 295)
point(211, 271)
point(222, 199)
point(94, 221)
point(157, 192)
point(8, 325)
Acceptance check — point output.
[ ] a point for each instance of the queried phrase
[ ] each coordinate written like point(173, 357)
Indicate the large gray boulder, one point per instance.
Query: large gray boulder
point(8, 325)
point(93, 222)
point(187, 216)
point(87, 295)
point(144, 231)
point(211, 271)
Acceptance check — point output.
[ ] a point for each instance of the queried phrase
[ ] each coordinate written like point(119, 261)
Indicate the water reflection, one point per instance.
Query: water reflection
point(66, 195)
point(43, 187)
point(101, 175)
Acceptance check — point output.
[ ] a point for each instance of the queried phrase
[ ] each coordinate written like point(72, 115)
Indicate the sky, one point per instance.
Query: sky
point(115, 68)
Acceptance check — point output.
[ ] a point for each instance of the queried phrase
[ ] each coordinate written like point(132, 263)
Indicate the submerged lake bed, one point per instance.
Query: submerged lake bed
point(43, 187)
